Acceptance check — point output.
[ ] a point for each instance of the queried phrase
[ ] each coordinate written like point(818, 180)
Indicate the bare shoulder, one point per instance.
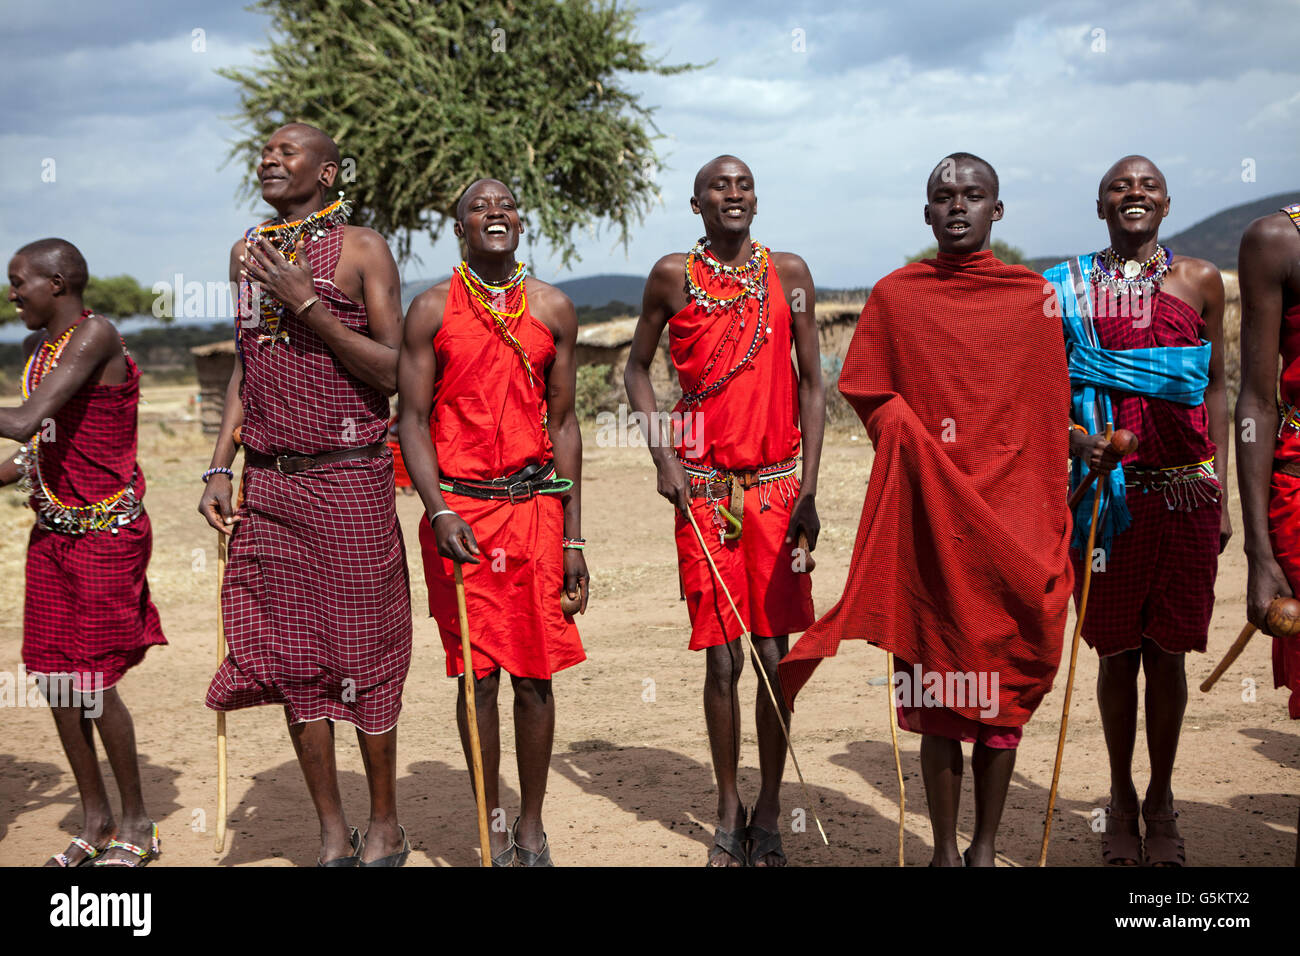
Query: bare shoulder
point(1205, 275)
point(365, 241)
point(668, 268)
point(547, 303)
point(97, 329)
point(430, 304)
point(1272, 231)
point(788, 263)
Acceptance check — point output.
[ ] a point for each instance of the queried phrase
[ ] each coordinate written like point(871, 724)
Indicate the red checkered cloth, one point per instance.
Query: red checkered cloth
point(486, 424)
point(1284, 509)
point(961, 563)
point(1159, 576)
point(316, 600)
point(87, 608)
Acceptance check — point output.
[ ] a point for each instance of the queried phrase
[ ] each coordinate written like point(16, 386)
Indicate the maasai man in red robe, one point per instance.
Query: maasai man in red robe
point(733, 309)
point(88, 617)
point(491, 442)
point(1152, 596)
point(961, 564)
point(316, 599)
point(1268, 439)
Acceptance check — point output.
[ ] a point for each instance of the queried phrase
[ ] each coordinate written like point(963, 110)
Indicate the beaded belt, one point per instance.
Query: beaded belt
point(717, 485)
point(527, 482)
point(1288, 417)
point(112, 513)
point(1184, 486)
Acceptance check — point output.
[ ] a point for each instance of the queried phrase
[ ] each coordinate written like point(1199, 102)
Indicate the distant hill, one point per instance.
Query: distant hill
point(1215, 239)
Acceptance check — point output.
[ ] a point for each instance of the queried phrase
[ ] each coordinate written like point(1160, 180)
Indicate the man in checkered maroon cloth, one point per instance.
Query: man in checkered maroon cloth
point(316, 600)
point(961, 565)
point(1151, 600)
point(88, 617)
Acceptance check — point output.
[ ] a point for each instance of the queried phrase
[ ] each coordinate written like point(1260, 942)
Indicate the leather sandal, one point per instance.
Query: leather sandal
point(393, 859)
point(527, 857)
point(354, 838)
point(1163, 849)
point(1120, 845)
point(764, 843)
point(730, 843)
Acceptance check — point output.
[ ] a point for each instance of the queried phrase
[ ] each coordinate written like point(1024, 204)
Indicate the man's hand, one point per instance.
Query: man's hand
point(290, 282)
point(1265, 581)
point(215, 504)
point(674, 484)
point(575, 576)
point(1094, 451)
point(455, 539)
point(1225, 528)
point(803, 517)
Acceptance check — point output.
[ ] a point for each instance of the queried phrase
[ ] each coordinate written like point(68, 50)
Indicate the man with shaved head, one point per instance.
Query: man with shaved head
point(491, 442)
point(316, 601)
point(730, 461)
point(1144, 333)
point(88, 617)
point(1268, 437)
point(960, 568)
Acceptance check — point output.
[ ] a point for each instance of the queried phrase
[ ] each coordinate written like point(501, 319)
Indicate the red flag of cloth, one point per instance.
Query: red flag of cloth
point(961, 563)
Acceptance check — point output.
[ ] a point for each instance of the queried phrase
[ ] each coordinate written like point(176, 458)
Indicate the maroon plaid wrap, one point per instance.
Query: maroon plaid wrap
point(87, 609)
point(316, 599)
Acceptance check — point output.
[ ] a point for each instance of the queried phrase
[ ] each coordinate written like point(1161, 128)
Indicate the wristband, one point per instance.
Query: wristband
point(575, 544)
point(306, 305)
point(435, 516)
point(218, 471)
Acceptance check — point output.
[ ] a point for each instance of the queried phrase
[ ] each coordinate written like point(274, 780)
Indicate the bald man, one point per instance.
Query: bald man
point(316, 600)
point(731, 458)
point(88, 617)
point(1144, 331)
point(491, 442)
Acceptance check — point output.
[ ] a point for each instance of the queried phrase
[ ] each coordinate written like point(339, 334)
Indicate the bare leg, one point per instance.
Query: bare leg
point(76, 733)
point(771, 739)
point(992, 768)
point(379, 755)
point(1117, 700)
point(723, 666)
point(534, 736)
point(489, 736)
point(941, 768)
point(313, 742)
point(1166, 701)
point(117, 732)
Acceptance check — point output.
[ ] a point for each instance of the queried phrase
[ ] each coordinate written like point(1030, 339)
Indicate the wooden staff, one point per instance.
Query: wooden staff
point(1124, 442)
point(1074, 647)
point(749, 644)
point(471, 718)
point(898, 763)
point(1283, 620)
point(221, 714)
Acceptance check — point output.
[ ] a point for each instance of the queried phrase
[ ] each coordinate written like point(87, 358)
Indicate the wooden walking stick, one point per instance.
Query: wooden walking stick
point(749, 644)
point(1129, 445)
point(898, 763)
point(1124, 442)
point(221, 714)
point(1283, 620)
point(471, 718)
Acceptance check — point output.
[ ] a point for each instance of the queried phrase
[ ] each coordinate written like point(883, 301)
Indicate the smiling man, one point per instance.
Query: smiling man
point(491, 443)
point(733, 309)
point(1144, 333)
point(316, 600)
point(961, 564)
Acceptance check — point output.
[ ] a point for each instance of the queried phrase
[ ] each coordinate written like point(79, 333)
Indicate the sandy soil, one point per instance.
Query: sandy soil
point(631, 780)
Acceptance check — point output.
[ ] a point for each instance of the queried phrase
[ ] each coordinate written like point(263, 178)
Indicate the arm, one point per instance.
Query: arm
point(1216, 393)
point(373, 357)
point(666, 275)
point(801, 293)
point(94, 343)
point(215, 502)
point(1263, 271)
point(8, 468)
point(417, 368)
point(566, 438)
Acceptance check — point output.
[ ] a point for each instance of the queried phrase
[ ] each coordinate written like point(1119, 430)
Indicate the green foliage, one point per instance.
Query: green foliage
point(117, 297)
point(1003, 250)
point(425, 98)
point(592, 392)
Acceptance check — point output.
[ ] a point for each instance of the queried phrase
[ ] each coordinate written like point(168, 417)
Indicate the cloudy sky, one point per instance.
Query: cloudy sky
point(841, 113)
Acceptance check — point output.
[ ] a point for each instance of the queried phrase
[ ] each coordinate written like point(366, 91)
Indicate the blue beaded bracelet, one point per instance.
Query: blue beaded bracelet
point(217, 471)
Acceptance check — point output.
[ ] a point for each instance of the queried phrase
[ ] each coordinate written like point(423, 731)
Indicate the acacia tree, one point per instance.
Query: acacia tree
point(425, 97)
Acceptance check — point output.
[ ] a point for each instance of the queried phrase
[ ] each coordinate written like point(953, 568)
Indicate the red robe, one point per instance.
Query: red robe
point(487, 423)
point(1284, 508)
point(961, 563)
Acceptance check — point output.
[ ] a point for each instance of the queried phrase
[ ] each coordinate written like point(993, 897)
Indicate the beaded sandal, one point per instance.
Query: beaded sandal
point(142, 857)
point(85, 847)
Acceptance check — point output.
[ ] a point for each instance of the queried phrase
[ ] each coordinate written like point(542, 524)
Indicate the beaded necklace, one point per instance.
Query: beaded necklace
point(501, 301)
point(284, 237)
point(1129, 275)
point(751, 277)
point(52, 513)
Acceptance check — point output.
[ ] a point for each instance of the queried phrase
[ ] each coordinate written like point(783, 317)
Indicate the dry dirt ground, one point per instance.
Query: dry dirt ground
point(631, 780)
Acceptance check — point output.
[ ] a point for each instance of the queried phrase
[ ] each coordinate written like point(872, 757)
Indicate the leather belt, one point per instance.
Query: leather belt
point(527, 482)
point(1287, 468)
point(291, 464)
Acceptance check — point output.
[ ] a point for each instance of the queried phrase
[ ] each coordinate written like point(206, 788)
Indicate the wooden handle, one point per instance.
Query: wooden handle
point(471, 719)
point(219, 844)
point(1123, 442)
point(1283, 620)
point(809, 562)
point(1234, 652)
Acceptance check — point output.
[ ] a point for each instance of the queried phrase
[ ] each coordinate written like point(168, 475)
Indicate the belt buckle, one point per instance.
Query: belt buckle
point(527, 492)
point(294, 464)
